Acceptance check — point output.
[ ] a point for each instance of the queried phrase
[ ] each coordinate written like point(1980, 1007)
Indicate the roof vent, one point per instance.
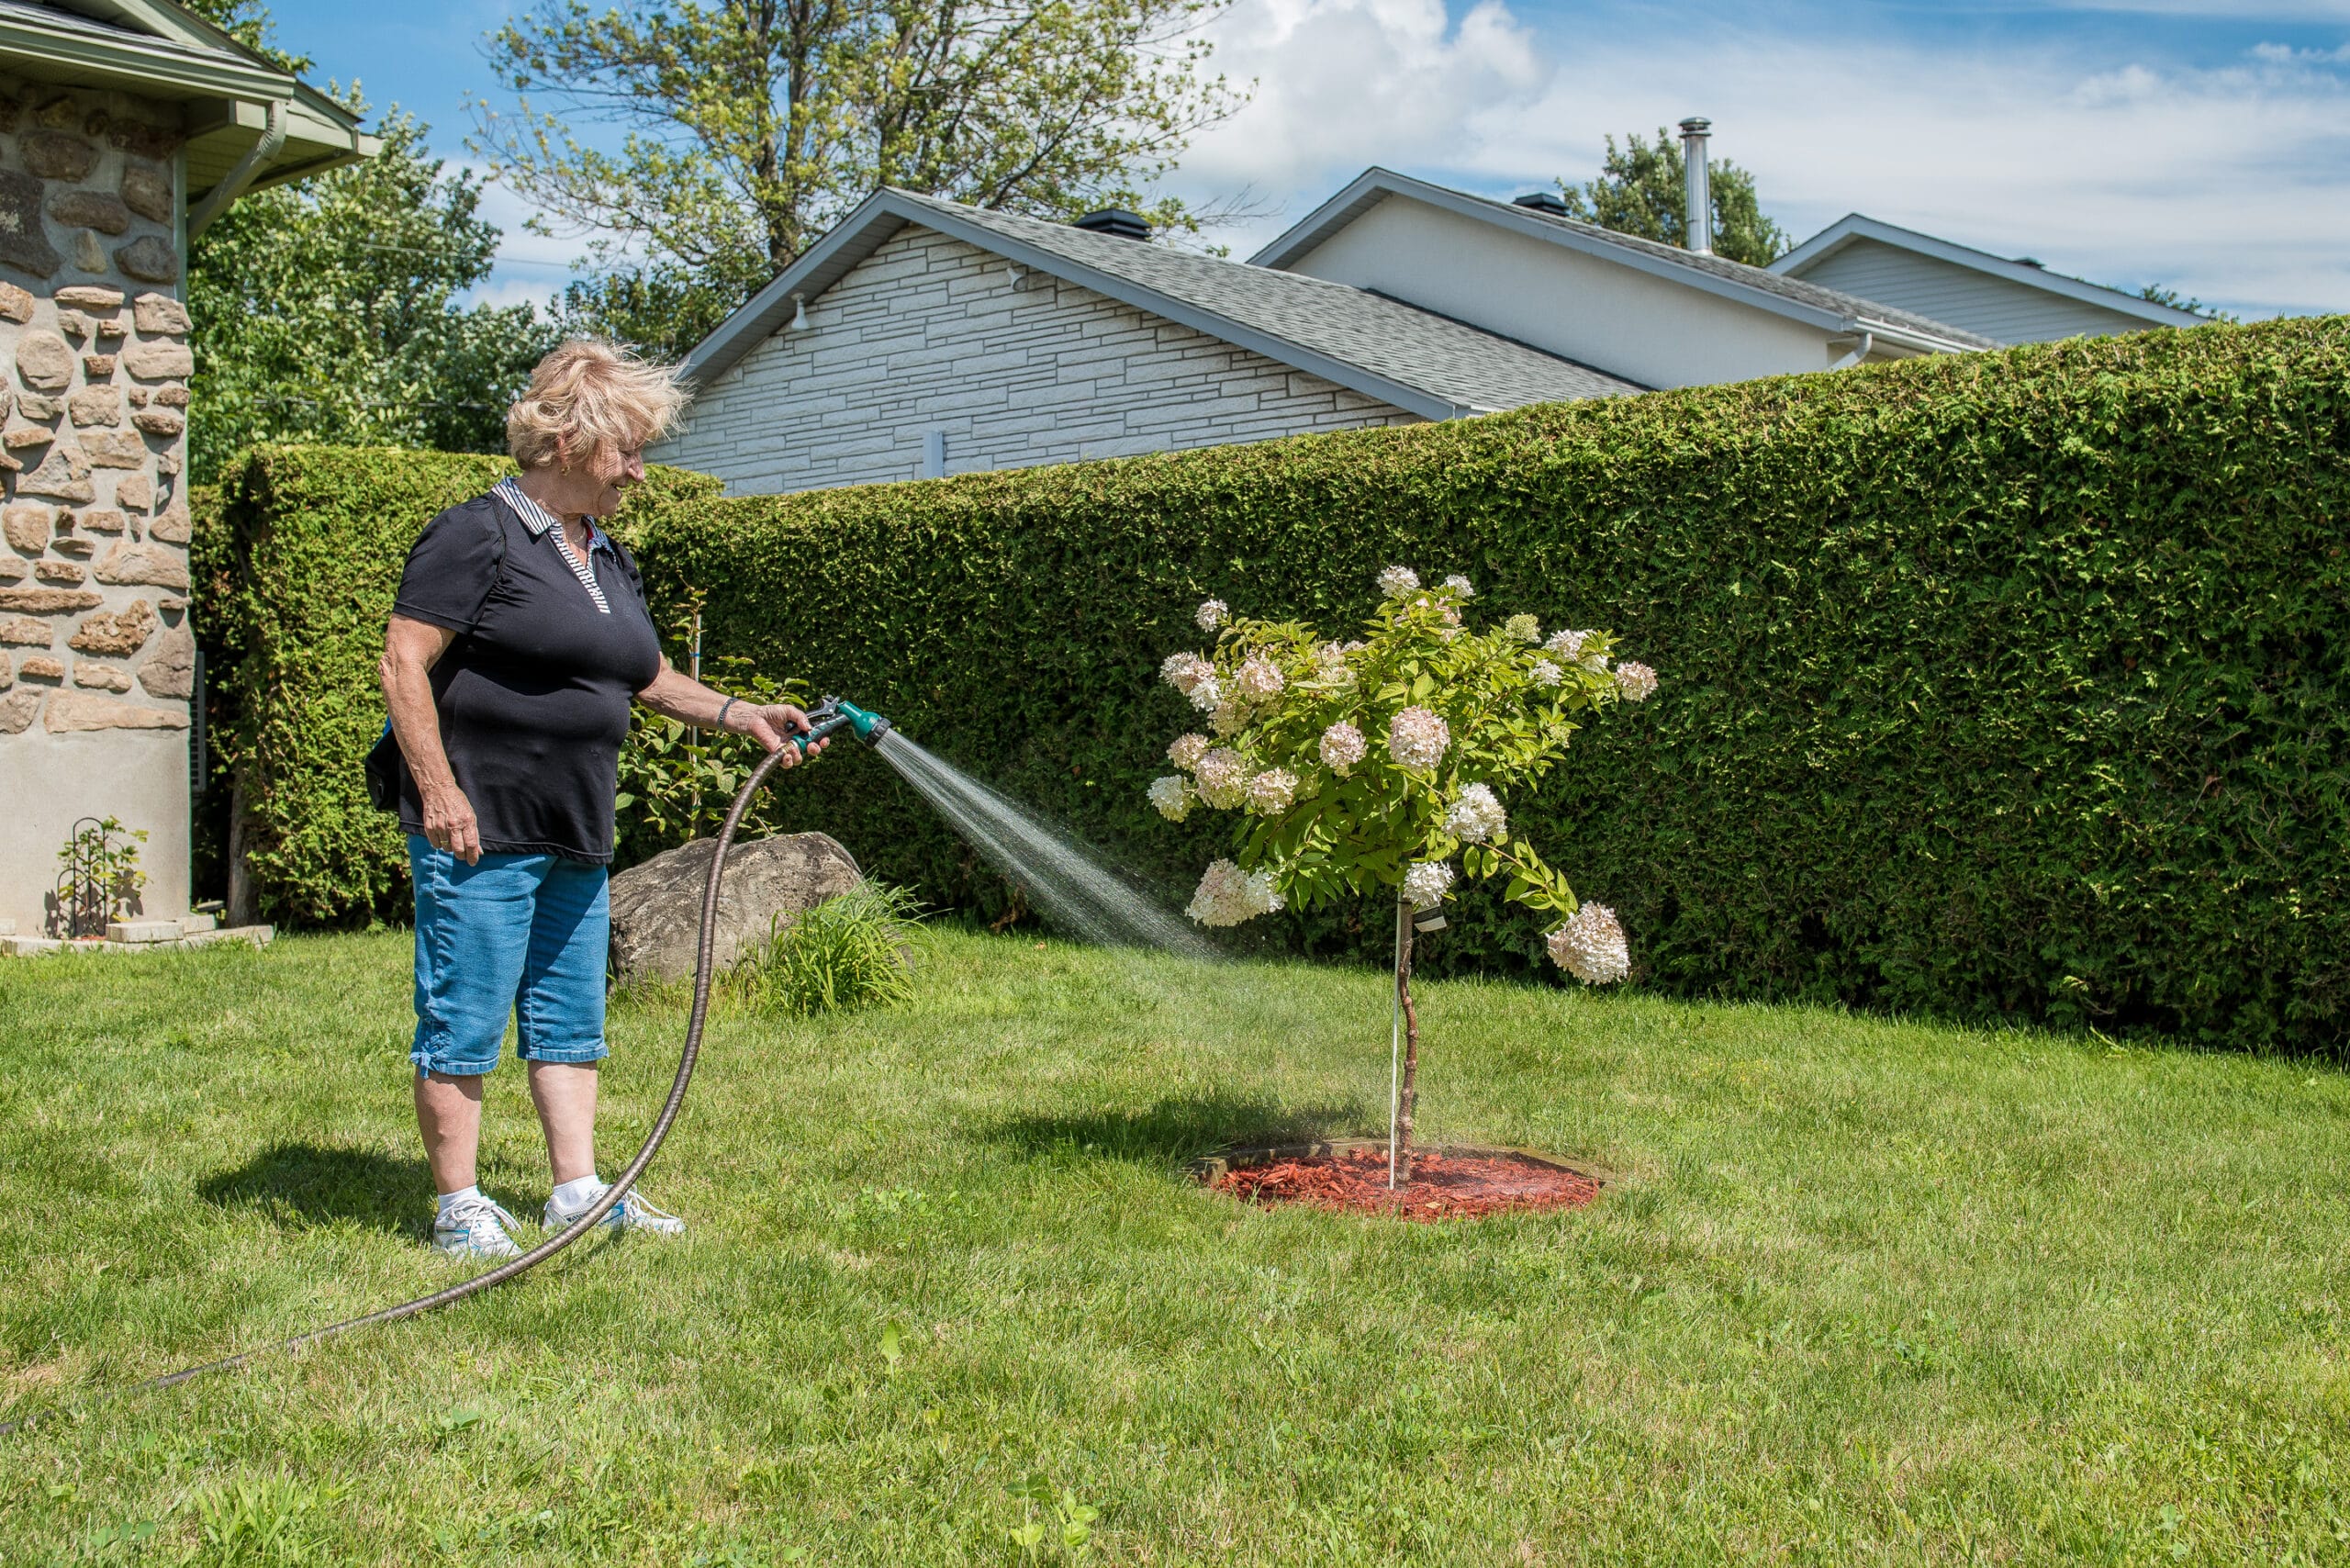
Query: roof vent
point(1116, 220)
point(2032, 262)
point(1541, 201)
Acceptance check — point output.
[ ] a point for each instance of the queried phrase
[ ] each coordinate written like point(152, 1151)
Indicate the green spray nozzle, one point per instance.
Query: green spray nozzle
point(835, 713)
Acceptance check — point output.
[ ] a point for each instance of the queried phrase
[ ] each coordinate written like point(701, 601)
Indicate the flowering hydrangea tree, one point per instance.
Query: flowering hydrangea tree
point(1382, 764)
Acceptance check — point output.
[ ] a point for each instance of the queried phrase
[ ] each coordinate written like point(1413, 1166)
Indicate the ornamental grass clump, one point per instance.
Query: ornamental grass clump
point(851, 951)
point(1381, 764)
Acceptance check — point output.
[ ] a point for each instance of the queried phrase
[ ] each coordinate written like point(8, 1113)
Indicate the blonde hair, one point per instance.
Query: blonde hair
point(587, 394)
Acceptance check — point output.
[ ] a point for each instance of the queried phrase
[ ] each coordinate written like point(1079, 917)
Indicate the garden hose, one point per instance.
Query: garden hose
point(828, 716)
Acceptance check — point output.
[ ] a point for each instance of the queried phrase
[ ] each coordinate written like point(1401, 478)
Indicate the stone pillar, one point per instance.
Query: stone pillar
point(97, 658)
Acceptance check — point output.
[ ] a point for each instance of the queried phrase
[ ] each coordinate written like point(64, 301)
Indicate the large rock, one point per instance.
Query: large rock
point(657, 907)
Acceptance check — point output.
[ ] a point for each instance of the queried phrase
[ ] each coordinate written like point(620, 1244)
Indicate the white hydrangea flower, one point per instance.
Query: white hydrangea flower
point(1460, 585)
point(1451, 617)
point(1523, 627)
point(1342, 748)
point(1258, 679)
point(1424, 883)
point(1228, 720)
point(1187, 751)
point(1206, 693)
point(1591, 946)
point(1355, 646)
point(1397, 581)
point(1211, 614)
point(1636, 681)
point(1220, 777)
point(1476, 817)
point(1418, 738)
point(1545, 673)
point(1594, 661)
point(1172, 796)
point(1227, 895)
point(1185, 671)
point(1568, 645)
point(1271, 792)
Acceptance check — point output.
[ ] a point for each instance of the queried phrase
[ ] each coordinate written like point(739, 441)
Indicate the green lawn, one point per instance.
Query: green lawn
point(1868, 1290)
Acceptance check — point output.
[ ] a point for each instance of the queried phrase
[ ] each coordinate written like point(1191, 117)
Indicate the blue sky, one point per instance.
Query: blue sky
point(2201, 145)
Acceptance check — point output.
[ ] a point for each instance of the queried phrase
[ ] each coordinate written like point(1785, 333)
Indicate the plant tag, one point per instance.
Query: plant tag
point(1428, 923)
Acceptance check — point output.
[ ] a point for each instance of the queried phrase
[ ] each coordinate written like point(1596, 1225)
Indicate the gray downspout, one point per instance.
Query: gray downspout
point(232, 184)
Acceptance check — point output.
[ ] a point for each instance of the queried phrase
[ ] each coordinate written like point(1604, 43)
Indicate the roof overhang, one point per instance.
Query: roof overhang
point(159, 51)
point(1853, 228)
point(1375, 185)
point(882, 214)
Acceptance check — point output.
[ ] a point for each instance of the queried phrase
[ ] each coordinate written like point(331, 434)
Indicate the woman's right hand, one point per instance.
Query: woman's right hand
point(449, 823)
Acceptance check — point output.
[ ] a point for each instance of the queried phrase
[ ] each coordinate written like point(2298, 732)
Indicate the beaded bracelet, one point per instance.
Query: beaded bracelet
point(720, 723)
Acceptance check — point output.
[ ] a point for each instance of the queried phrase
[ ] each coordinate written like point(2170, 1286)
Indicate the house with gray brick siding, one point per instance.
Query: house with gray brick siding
point(922, 338)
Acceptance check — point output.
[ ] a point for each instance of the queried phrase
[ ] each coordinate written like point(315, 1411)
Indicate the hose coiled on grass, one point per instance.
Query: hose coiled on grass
point(514, 1267)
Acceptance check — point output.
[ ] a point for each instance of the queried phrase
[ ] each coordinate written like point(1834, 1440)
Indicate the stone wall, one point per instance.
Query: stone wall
point(927, 355)
point(97, 658)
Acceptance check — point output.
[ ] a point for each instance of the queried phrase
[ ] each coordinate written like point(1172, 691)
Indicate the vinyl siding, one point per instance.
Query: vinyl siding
point(1995, 307)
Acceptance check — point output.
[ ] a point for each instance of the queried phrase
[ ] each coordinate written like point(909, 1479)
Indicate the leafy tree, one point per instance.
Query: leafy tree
point(750, 127)
point(328, 311)
point(1639, 191)
point(2158, 295)
point(1369, 766)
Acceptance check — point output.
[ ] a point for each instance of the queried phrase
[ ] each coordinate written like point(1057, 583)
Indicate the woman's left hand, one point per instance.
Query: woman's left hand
point(774, 727)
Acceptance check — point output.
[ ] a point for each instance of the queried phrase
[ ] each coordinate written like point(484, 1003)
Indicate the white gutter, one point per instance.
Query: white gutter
point(232, 184)
point(1860, 352)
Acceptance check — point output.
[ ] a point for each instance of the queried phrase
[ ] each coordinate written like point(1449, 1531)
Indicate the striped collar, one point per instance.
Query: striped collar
point(544, 524)
point(538, 520)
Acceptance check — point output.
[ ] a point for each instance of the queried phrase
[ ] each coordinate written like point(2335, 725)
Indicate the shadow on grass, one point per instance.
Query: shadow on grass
point(313, 1184)
point(1176, 1130)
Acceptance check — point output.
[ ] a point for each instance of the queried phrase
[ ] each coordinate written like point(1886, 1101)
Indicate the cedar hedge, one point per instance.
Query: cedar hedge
point(2001, 684)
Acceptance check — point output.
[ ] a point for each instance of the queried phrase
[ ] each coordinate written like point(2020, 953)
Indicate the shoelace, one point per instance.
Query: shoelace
point(467, 1214)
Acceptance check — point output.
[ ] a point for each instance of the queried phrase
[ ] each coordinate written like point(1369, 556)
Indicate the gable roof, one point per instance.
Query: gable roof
point(1383, 348)
point(1852, 227)
point(1762, 289)
point(238, 102)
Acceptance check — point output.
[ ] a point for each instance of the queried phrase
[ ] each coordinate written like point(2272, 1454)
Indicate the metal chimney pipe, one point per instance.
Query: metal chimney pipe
point(1698, 184)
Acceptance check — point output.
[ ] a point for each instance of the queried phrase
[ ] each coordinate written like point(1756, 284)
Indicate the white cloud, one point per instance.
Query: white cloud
point(2227, 180)
point(1343, 83)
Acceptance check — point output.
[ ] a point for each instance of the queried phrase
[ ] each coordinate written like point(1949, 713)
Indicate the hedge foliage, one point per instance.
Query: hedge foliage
point(1999, 685)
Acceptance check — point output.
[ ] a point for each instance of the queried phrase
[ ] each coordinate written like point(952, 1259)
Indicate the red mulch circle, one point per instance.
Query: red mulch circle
point(1444, 1186)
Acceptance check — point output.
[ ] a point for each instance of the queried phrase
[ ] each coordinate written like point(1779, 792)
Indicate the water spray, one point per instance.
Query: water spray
point(827, 718)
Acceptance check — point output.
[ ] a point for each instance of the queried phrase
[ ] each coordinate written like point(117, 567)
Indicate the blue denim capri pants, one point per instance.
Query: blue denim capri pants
point(523, 935)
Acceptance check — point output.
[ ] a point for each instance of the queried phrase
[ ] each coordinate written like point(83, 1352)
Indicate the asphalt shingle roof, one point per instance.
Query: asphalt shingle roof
point(1417, 348)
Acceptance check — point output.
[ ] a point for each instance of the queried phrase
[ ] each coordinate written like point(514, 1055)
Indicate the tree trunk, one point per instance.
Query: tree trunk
point(1407, 1098)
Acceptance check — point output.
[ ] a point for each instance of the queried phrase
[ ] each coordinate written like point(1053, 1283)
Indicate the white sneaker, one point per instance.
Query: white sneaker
point(634, 1212)
point(475, 1229)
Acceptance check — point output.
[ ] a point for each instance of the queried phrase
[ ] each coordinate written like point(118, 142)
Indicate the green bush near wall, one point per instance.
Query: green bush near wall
point(2004, 686)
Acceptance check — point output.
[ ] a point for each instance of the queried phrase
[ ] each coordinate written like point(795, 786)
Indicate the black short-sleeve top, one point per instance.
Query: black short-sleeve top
point(533, 694)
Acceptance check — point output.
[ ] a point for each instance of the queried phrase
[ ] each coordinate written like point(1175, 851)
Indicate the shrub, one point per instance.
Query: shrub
point(2004, 685)
point(848, 952)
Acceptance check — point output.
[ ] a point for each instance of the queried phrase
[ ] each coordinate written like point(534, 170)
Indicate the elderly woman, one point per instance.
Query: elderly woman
point(519, 635)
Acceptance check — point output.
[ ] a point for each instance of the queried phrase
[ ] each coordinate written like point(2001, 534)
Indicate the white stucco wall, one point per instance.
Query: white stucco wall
point(1607, 316)
point(1995, 307)
point(927, 339)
